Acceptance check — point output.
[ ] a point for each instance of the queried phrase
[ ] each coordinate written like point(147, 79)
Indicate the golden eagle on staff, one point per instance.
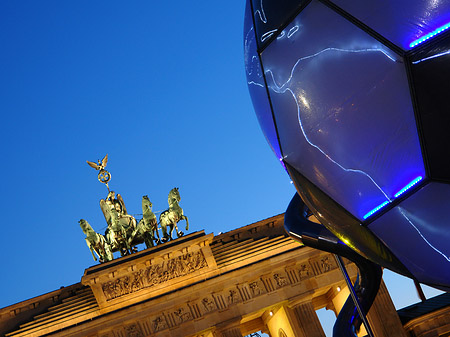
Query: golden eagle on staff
point(103, 175)
point(101, 164)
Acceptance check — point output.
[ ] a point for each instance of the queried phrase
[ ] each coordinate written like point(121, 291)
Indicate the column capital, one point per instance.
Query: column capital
point(306, 297)
point(230, 328)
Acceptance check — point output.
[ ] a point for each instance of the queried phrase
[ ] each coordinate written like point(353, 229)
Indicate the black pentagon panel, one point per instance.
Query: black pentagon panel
point(344, 225)
point(271, 15)
point(358, 95)
point(257, 86)
point(343, 110)
point(431, 77)
point(401, 22)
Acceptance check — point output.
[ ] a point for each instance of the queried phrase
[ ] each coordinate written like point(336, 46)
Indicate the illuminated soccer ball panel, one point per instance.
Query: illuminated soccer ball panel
point(403, 22)
point(423, 248)
point(431, 77)
point(257, 86)
point(343, 110)
point(270, 15)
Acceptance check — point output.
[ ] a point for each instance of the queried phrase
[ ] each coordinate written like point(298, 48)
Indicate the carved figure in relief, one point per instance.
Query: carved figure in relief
point(325, 264)
point(108, 290)
point(133, 330)
point(233, 297)
point(304, 271)
point(169, 218)
point(118, 289)
point(96, 243)
point(256, 290)
point(281, 280)
point(155, 274)
point(182, 315)
point(208, 304)
point(159, 324)
point(126, 285)
point(175, 267)
point(137, 281)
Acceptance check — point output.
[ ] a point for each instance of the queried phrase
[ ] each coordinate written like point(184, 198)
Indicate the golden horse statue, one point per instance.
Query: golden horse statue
point(170, 217)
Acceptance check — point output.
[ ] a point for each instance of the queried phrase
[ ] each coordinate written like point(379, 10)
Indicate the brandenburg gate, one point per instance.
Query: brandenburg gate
point(254, 278)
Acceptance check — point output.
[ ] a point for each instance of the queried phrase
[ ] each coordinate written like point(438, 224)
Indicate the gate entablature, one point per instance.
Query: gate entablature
point(152, 272)
point(250, 279)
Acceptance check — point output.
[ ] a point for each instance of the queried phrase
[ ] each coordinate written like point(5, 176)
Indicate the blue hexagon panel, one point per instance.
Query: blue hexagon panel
point(353, 96)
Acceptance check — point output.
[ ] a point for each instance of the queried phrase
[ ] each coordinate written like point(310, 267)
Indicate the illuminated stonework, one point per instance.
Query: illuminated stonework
point(153, 275)
point(233, 284)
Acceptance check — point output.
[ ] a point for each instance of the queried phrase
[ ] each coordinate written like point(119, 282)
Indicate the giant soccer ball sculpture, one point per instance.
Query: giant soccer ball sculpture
point(354, 98)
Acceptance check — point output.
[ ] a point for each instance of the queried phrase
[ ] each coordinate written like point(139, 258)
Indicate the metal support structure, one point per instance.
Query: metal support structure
point(419, 291)
point(354, 297)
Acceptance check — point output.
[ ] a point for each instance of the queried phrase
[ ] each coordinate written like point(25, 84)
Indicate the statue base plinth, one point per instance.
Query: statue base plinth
point(151, 272)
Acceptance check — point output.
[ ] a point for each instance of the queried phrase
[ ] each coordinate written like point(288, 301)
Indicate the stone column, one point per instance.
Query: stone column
point(207, 333)
point(383, 317)
point(339, 298)
point(229, 329)
point(308, 321)
point(300, 321)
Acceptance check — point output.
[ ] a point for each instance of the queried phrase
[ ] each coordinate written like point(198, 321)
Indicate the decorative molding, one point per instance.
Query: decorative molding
point(208, 305)
point(268, 283)
point(322, 265)
point(211, 303)
point(233, 297)
point(255, 288)
point(164, 271)
point(159, 323)
point(244, 292)
point(280, 280)
point(133, 330)
point(241, 293)
point(181, 315)
point(305, 271)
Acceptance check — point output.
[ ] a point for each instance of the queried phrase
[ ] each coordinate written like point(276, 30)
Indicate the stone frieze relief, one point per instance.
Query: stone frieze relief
point(155, 274)
point(223, 300)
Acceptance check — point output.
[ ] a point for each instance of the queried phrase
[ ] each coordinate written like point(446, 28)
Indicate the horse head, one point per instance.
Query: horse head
point(146, 203)
point(85, 226)
point(174, 195)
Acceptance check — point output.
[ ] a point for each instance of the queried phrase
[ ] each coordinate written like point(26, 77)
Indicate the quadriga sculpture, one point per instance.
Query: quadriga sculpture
point(170, 218)
point(117, 204)
point(147, 228)
point(96, 243)
point(121, 225)
point(123, 234)
point(116, 235)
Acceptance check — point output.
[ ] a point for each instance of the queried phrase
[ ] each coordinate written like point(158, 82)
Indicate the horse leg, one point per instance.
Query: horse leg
point(153, 230)
point(184, 217)
point(167, 234)
point(148, 239)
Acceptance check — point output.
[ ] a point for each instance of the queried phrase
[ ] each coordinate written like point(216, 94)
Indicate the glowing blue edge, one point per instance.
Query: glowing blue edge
point(407, 187)
point(399, 193)
point(376, 209)
point(429, 35)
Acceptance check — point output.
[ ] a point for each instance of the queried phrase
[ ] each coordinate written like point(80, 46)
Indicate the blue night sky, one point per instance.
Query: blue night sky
point(158, 86)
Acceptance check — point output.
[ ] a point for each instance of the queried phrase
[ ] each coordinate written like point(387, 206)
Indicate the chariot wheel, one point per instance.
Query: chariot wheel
point(104, 176)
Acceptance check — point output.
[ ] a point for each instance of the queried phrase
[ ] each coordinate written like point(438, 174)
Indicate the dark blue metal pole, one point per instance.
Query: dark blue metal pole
point(353, 294)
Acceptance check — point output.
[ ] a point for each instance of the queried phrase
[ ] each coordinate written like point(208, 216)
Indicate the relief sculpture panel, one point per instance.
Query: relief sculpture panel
point(154, 274)
point(231, 296)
